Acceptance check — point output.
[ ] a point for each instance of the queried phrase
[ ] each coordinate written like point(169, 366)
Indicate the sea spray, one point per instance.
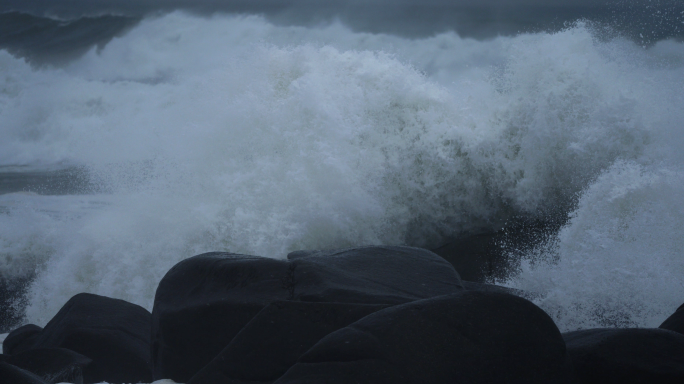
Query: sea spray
point(618, 261)
point(232, 134)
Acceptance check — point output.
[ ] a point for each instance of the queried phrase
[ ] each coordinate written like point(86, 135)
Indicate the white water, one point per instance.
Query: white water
point(233, 134)
point(619, 261)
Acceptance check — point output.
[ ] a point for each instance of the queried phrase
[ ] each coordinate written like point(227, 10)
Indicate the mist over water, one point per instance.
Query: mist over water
point(234, 133)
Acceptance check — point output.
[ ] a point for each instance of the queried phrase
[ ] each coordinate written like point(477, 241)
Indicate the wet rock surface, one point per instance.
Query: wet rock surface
point(467, 337)
point(12, 374)
point(21, 339)
point(219, 294)
point(54, 365)
point(222, 292)
point(370, 314)
point(626, 356)
point(675, 322)
point(276, 337)
point(113, 333)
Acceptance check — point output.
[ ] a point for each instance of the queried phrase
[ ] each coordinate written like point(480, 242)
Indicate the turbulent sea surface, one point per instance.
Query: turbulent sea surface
point(179, 133)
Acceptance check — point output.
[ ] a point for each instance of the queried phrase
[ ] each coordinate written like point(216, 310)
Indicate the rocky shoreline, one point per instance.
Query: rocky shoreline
point(360, 315)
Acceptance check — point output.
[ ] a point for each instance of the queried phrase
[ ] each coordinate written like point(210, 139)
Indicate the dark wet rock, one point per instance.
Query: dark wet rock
point(21, 339)
point(372, 275)
point(11, 374)
point(220, 293)
point(626, 356)
point(203, 302)
point(113, 333)
point(675, 322)
point(54, 365)
point(276, 337)
point(476, 258)
point(467, 337)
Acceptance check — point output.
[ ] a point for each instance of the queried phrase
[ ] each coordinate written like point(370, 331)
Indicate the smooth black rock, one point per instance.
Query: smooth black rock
point(468, 337)
point(203, 302)
point(477, 258)
point(54, 365)
point(219, 293)
point(373, 275)
point(21, 339)
point(113, 333)
point(675, 322)
point(276, 337)
point(626, 356)
point(10, 374)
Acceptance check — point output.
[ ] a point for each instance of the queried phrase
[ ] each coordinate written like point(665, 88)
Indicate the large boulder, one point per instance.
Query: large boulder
point(478, 257)
point(54, 365)
point(468, 337)
point(21, 339)
point(675, 322)
point(219, 293)
point(372, 275)
point(113, 333)
point(276, 337)
point(203, 302)
point(11, 374)
point(626, 356)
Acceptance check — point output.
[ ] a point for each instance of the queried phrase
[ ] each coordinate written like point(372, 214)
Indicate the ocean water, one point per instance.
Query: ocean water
point(185, 134)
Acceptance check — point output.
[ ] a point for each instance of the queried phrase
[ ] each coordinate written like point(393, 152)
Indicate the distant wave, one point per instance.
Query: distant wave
point(41, 39)
point(30, 29)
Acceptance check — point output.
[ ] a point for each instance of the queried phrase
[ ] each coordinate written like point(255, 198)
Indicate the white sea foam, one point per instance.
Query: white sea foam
point(230, 133)
point(619, 261)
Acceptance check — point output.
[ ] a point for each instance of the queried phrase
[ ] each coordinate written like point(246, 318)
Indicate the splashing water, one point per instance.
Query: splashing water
point(618, 261)
point(231, 134)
